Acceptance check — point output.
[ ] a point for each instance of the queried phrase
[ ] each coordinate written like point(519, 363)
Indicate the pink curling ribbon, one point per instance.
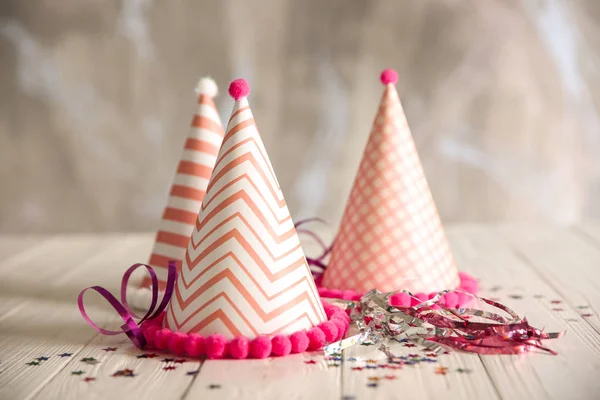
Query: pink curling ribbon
point(130, 327)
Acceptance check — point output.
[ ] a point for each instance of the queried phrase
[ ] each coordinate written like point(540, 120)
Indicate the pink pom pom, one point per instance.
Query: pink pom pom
point(340, 314)
point(149, 332)
point(194, 345)
point(162, 338)
point(356, 297)
point(158, 320)
point(299, 341)
point(431, 295)
point(389, 76)
point(215, 346)
point(316, 338)
point(281, 345)
point(239, 347)
point(334, 293)
point(463, 300)
point(341, 327)
point(239, 88)
point(330, 311)
point(260, 347)
point(330, 331)
point(450, 299)
point(323, 292)
point(400, 300)
point(177, 343)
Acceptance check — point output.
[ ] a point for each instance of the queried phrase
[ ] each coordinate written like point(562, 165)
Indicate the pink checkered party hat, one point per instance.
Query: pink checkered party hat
point(390, 237)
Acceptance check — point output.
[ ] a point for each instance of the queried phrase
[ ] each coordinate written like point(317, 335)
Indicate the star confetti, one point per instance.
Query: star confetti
point(587, 315)
point(357, 368)
point(310, 362)
point(372, 384)
point(441, 370)
point(65, 355)
point(409, 345)
point(572, 320)
point(110, 349)
point(214, 386)
point(179, 361)
point(583, 307)
point(463, 370)
point(349, 398)
point(33, 363)
point(352, 359)
point(431, 354)
point(374, 378)
point(90, 360)
point(88, 379)
point(147, 355)
point(169, 368)
point(413, 355)
point(538, 296)
point(77, 372)
point(192, 373)
point(371, 366)
point(394, 367)
point(42, 358)
point(390, 377)
point(167, 360)
point(557, 309)
point(555, 301)
point(515, 296)
point(371, 361)
point(124, 372)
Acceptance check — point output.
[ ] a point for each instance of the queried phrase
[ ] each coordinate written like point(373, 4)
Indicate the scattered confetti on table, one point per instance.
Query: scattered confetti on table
point(587, 315)
point(357, 368)
point(557, 309)
point(583, 307)
point(124, 372)
point(90, 360)
point(147, 355)
point(441, 370)
point(538, 296)
point(310, 362)
point(463, 370)
point(214, 386)
point(166, 360)
point(179, 361)
point(43, 358)
point(33, 363)
point(372, 384)
point(77, 372)
point(515, 296)
point(409, 345)
point(107, 349)
point(65, 355)
point(390, 377)
point(192, 373)
point(169, 368)
point(374, 378)
point(88, 379)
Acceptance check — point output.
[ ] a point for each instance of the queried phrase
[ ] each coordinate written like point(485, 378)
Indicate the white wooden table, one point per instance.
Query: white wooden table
point(550, 274)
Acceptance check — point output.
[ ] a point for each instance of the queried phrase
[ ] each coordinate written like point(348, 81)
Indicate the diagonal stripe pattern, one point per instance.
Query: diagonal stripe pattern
point(244, 271)
point(390, 236)
point(188, 189)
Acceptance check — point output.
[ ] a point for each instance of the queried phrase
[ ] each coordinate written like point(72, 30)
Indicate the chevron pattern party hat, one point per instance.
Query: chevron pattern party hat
point(244, 272)
point(189, 185)
point(390, 236)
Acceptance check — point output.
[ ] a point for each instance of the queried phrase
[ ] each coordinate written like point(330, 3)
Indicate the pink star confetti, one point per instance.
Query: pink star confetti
point(110, 349)
point(409, 345)
point(310, 362)
point(555, 301)
point(169, 368)
point(88, 379)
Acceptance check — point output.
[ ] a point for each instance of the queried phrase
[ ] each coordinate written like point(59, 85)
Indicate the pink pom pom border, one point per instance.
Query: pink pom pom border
point(457, 299)
point(183, 344)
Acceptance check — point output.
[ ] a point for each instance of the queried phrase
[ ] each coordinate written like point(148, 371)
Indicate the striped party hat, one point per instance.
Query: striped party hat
point(187, 191)
point(390, 237)
point(244, 273)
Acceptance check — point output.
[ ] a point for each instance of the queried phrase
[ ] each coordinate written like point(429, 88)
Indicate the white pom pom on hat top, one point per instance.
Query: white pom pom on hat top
point(207, 86)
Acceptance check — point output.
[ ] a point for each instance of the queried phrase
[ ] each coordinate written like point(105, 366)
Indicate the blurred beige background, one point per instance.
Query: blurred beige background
point(97, 96)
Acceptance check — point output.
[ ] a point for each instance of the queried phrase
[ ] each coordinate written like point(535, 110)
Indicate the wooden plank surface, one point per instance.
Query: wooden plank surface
point(546, 273)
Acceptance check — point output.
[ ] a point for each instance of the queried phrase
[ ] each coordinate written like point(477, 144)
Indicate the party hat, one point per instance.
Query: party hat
point(390, 237)
point(244, 273)
point(188, 189)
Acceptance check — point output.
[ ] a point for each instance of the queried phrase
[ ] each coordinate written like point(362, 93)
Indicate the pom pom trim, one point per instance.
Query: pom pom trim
point(152, 327)
point(451, 300)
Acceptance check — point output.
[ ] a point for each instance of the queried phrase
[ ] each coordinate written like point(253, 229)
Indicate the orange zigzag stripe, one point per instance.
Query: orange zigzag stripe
point(277, 238)
point(239, 127)
point(230, 276)
point(241, 193)
point(239, 160)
